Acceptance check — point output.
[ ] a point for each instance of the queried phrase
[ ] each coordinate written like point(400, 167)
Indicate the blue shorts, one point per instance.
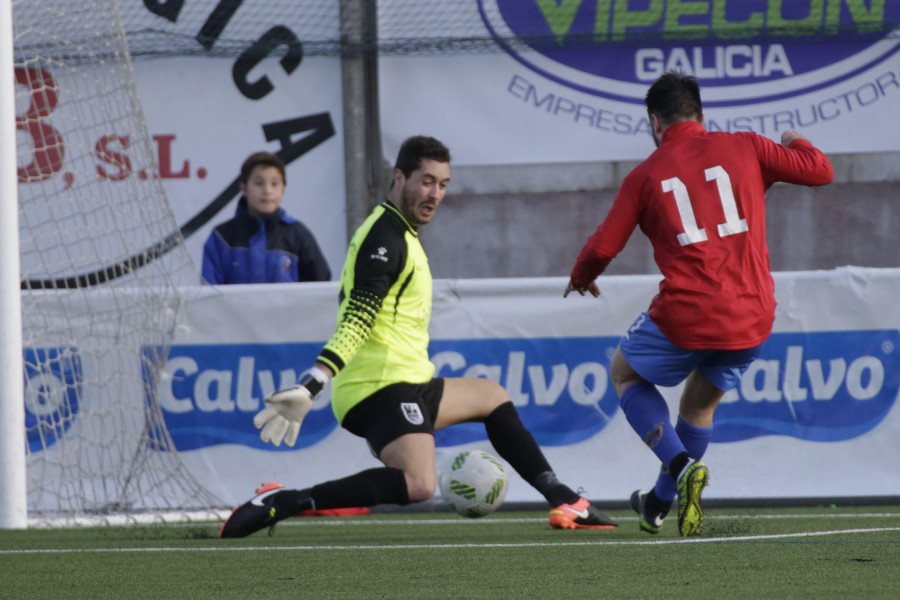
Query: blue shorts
point(659, 361)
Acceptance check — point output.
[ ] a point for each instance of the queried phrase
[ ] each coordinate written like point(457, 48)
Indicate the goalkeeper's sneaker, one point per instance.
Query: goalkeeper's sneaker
point(254, 515)
point(651, 518)
point(580, 515)
point(691, 482)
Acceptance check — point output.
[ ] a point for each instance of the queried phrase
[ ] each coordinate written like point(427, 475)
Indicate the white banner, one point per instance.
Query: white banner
point(568, 79)
point(204, 115)
point(814, 416)
point(207, 114)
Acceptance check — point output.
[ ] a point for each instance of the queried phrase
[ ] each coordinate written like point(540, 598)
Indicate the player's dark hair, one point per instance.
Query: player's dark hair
point(261, 159)
point(416, 148)
point(674, 97)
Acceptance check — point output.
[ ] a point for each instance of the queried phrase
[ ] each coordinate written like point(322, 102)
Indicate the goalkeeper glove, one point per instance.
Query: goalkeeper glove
point(281, 419)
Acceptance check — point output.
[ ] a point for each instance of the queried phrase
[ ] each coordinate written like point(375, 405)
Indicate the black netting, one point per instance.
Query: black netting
point(156, 28)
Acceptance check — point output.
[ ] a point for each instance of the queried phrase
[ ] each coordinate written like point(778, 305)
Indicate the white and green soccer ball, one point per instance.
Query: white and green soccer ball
point(473, 483)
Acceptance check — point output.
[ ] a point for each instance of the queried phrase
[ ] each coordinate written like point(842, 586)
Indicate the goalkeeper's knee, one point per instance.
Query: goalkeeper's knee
point(420, 489)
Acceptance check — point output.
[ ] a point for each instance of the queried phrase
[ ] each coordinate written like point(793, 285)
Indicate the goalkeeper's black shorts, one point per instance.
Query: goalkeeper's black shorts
point(395, 410)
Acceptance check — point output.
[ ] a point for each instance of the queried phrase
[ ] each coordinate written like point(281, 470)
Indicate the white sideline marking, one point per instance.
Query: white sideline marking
point(313, 521)
point(740, 538)
point(332, 521)
point(124, 520)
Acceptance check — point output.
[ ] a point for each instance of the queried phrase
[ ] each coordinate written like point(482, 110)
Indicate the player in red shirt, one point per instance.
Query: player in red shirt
point(700, 199)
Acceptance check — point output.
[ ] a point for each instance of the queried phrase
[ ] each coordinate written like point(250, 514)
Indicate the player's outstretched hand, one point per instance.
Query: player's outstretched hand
point(280, 420)
point(593, 289)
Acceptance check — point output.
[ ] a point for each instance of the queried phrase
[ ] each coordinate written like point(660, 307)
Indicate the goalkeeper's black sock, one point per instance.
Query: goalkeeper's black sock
point(289, 503)
point(517, 446)
point(383, 485)
point(553, 490)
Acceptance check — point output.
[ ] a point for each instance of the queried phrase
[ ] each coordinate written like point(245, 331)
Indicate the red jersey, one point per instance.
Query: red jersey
point(700, 199)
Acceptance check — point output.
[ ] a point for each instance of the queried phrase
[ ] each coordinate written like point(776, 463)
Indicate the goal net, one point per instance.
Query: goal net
point(101, 261)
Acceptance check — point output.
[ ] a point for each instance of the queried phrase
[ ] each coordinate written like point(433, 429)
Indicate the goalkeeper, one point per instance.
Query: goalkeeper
point(383, 388)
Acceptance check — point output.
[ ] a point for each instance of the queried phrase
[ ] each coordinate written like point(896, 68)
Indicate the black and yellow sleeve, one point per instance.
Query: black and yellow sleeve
point(375, 259)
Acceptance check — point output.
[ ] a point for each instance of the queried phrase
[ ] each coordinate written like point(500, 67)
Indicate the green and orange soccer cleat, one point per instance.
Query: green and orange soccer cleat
point(580, 515)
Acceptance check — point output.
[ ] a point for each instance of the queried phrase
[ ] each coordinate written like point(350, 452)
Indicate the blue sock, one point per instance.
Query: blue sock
point(648, 414)
point(695, 440)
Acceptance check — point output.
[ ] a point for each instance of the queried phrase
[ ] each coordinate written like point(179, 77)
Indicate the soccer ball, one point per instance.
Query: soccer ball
point(474, 483)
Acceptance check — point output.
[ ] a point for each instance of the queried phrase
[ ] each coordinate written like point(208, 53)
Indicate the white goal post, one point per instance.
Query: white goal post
point(98, 260)
point(13, 507)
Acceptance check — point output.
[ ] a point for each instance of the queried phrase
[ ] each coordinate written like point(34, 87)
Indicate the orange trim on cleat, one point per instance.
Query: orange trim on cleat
point(268, 487)
point(580, 515)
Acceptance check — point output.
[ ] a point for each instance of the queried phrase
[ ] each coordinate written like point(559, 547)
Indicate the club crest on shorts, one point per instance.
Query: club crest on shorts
point(412, 412)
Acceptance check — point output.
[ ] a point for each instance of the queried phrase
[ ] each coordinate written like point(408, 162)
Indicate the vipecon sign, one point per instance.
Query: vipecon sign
point(741, 51)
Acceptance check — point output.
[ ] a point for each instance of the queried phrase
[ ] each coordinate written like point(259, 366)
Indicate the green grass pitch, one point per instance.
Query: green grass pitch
point(817, 552)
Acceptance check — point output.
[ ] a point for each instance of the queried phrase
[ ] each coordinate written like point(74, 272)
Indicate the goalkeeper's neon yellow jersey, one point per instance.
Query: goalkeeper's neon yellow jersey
point(385, 308)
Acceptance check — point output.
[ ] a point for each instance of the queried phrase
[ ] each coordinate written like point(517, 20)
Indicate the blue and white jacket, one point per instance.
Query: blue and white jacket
point(275, 249)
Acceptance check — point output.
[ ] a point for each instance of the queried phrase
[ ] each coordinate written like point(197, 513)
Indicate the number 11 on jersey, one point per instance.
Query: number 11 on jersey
point(692, 233)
